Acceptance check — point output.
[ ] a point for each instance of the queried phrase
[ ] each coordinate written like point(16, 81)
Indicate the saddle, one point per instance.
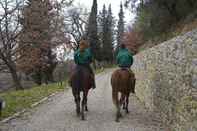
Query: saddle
point(126, 69)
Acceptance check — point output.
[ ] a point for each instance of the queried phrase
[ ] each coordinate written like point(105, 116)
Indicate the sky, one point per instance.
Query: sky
point(129, 17)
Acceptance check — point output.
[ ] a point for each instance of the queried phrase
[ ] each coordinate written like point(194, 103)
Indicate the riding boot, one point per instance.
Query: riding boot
point(93, 77)
point(94, 83)
point(132, 76)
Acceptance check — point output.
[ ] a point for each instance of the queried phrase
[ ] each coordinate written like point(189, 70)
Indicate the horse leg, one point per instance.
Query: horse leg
point(76, 95)
point(77, 101)
point(86, 105)
point(117, 104)
point(83, 105)
point(127, 103)
point(133, 81)
point(122, 101)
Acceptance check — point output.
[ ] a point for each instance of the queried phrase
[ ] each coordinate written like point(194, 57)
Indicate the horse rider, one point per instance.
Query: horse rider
point(124, 59)
point(83, 57)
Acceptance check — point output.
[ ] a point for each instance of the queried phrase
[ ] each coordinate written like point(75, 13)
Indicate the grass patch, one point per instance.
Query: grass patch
point(18, 100)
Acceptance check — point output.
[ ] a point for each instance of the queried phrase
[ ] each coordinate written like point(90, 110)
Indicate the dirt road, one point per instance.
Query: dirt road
point(58, 113)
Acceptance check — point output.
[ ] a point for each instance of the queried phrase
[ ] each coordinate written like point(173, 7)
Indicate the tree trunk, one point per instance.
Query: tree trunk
point(142, 3)
point(50, 75)
point(51, 78)
point(15, 78)
point(191, 3)
point(37, 76)
point(12, 68)
point(172, 10)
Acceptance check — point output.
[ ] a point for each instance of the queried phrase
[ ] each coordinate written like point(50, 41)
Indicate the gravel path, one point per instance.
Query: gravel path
point(58, 114)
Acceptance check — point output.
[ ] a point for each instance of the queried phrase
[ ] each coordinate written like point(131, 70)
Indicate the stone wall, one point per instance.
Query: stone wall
point(6, 82)
point(167, 81)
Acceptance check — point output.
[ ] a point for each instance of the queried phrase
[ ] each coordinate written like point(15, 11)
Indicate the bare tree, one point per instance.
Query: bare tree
point(76, 21)
point(58, 30)
point(9, 31)
point(133, 5)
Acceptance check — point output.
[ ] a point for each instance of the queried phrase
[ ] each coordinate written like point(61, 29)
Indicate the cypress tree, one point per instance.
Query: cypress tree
point(102, 23)
point(120, 32)
point(92, 32)
point(107, 39)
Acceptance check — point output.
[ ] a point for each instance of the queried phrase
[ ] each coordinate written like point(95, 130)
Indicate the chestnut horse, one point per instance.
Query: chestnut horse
point(123, 82)
point(81, 81)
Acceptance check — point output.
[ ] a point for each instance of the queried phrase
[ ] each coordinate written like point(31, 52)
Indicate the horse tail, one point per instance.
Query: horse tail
point(115, 98)
point(114, 85)
point(76, 81)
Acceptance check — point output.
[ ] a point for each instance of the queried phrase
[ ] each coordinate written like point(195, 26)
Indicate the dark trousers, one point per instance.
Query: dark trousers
point(87, 66)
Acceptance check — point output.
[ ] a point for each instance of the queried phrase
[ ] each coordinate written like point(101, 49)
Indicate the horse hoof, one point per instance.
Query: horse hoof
point(127, 112)
point(117, 120)
point(86, 108)
point(120, 115)
point(78, 113)
point(83, 118)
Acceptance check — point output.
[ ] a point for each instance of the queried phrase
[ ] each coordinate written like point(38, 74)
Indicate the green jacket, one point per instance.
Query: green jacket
point(124, 58)
point(83, 58)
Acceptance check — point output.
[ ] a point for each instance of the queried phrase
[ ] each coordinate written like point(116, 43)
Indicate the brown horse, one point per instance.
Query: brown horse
point(123, 82)
point(81, 81)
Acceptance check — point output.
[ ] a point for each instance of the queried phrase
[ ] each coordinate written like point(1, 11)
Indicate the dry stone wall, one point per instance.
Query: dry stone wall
point(167, 81)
